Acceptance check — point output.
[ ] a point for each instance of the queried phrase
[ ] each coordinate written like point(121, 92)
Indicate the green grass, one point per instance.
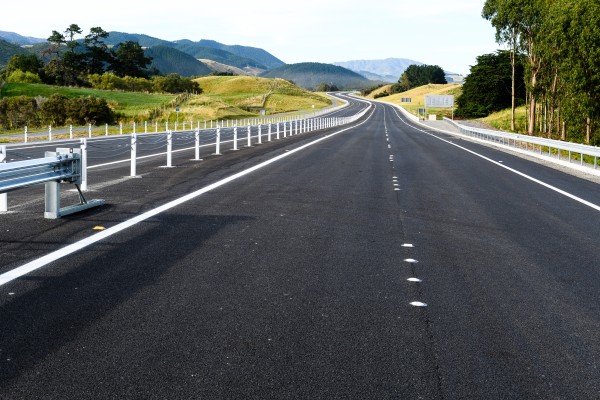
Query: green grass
point(126, 103)
point(501, 119)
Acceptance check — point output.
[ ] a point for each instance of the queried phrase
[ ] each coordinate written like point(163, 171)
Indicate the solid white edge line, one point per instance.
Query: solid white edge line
point(501, 165)
point(81, 244)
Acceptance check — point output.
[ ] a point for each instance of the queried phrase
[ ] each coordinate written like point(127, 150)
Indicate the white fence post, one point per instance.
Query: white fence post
point(105, 129)
point(235, 146)
point(249, 137)
point(3, 196)
point(269, 134)
point(50, 133)
point(277, 130)
point(90, 131)
point(25, 135)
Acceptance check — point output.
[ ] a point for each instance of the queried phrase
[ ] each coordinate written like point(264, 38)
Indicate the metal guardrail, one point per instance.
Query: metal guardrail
point(537, 144)
point(62, 166)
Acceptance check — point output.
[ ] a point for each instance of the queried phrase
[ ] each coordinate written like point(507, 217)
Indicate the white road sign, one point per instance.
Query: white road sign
point(434, 101)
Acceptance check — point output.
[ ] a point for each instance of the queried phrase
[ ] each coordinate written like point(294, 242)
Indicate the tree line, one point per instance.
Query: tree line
point(556, 42)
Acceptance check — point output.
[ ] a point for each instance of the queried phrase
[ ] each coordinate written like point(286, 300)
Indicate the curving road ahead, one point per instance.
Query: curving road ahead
point(380, 261)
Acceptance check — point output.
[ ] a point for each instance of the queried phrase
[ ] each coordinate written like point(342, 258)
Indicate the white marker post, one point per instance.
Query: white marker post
point(3, 196)
point(133, 154)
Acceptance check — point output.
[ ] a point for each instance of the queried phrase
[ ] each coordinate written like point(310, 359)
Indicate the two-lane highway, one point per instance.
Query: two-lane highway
point(376, 261)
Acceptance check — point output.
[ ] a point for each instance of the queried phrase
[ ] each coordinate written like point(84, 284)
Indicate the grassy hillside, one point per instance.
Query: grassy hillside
point(234, 97)
point(127, 104)
point(418, 94)
point(501, 119)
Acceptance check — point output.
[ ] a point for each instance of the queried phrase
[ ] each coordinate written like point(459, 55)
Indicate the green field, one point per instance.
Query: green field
point(127, 104)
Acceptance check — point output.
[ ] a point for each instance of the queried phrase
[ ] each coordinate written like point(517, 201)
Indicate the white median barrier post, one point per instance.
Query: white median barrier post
point(3, 196)
point(197, 144)
point(218, 144)
point(277, 131)
point(83, 147)
point(269, 134)
point(235, 146)
point(259, 133)
point(133, 154)
point(284, 130)
point(169, 149)
point(249, 136)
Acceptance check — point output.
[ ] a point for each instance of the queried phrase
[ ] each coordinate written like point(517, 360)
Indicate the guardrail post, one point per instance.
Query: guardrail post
point(284, 129)
point(133, 154)
point(83, 165)
point(277, 131)
point(3, 196)
point(169, 149)
point(120, 128)
point(49, 133)
point(133, 126)
point(235, 146)
point(259, 134)
point(249, 136)
point(90, 131)
point(269, 134)
point(105, 129)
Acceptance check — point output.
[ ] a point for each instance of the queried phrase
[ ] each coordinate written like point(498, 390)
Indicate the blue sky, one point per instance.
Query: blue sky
point(446, 33)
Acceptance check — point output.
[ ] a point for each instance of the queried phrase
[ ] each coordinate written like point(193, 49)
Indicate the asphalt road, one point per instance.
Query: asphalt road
point(291, 281)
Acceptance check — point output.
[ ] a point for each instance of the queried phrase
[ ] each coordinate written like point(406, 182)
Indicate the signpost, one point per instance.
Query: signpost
point(440, 101)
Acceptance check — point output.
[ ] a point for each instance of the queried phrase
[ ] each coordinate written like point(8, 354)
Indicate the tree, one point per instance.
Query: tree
point(488, 87)
point(129, 60)
point(24, 62)
point(419, 75)
point(97, 56)
point(504, 19)
point(575, 26)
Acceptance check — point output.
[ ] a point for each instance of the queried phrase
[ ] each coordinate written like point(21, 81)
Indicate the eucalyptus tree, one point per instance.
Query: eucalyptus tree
point(519, 22)
point(574, 27)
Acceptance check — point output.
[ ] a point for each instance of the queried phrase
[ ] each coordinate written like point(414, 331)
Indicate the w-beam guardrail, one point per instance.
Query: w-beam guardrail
point(62, 166)
point(550, 147)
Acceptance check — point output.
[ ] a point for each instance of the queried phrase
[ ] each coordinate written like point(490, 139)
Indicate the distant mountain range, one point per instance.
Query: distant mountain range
point(310, 75)
point(388, 70)
point(19, 40)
